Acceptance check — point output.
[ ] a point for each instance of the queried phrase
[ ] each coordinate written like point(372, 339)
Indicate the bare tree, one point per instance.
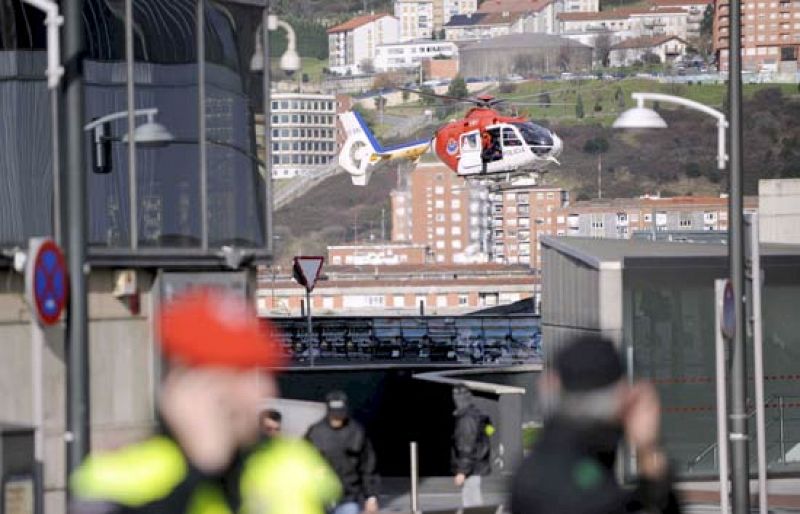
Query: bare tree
point(602, 48)
point(367, 66)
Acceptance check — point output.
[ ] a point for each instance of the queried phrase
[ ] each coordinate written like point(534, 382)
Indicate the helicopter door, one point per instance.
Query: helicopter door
point(470, 161)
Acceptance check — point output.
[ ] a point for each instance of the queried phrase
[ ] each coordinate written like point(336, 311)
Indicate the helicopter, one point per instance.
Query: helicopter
point(484, 144)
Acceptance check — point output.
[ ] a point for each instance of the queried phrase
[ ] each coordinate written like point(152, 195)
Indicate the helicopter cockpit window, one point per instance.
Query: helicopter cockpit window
point(510, 138)
point(538, 138)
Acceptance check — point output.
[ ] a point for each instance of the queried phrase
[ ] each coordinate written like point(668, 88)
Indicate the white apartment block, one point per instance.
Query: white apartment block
point(668, 21)
point(695, 10)
point(352, 44)
point(416, 19)
point(582, 5)
point(411, 54)
point(626, 23)
point(481, 26)
point(303, 133)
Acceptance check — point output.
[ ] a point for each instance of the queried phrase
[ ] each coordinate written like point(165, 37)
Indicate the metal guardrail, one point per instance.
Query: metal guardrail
point(779, 444)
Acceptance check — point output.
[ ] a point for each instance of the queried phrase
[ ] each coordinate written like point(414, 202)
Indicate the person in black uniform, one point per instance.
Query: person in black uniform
point(471, 449)
point(571, 466)
point(344, 444)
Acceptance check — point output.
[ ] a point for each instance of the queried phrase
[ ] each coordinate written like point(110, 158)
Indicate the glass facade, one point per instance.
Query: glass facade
point(669, 332)
point(170, 197)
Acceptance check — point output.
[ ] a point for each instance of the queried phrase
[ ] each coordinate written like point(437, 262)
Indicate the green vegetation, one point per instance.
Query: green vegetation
point(613, 97)
point(312, 38)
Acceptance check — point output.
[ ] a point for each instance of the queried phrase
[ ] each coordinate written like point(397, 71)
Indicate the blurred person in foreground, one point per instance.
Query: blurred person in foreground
point(271, 423)
point(571, 466)
point(208, 456)
point(344, 443)
point(471, 448)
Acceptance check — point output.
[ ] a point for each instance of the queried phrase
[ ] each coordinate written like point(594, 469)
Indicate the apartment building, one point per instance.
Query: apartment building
point(351, 45)
point(411, 54)
point(304, 133)
point(627, 23)
point(770, 35)
point(481, 26)
point(520, 215)
point(400, 289)
point(437, 208)
point(632, 50)
point(619, 218)
point(377, 254)
point(416, 19)
point(695, 10)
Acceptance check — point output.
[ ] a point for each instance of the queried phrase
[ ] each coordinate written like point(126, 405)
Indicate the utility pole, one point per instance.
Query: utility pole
point(599, 176)
point(77, 334)
point(740, 479)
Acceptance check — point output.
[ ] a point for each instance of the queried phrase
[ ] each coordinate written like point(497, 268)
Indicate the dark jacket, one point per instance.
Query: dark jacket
point(349, 452)
point(471, 449)
point(571, 471)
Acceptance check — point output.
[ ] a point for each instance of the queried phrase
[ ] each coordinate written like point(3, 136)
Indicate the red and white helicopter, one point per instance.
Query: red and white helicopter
point(483, 144)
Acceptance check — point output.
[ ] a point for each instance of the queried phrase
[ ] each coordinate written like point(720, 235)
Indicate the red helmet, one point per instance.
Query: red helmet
point(208, 327)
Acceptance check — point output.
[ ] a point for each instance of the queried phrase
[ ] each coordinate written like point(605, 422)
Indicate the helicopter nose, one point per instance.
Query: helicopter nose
point(558, 145)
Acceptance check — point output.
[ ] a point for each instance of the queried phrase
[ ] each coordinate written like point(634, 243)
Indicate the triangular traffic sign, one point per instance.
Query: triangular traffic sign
point(306, 270)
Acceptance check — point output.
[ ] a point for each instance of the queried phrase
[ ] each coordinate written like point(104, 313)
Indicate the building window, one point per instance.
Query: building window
point(399, 300)
point(441, 300)
point(463, 299)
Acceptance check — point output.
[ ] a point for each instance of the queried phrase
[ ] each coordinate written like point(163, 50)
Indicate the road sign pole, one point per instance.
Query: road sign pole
point(310, 331)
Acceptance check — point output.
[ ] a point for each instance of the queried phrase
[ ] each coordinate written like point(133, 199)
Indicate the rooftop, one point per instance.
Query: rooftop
point(618, 14)
point(356, 22)
point(616, 253)
point(481, 18)
point(644, 42)
point(676, 3)
point(513, 5)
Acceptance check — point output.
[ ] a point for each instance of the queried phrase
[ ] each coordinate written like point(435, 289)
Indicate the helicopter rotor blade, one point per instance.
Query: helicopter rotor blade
point(436, 95)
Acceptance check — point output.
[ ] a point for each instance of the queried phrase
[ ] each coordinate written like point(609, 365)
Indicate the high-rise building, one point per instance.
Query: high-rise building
point(770, 35)
point(521, 214)
point(441, 210)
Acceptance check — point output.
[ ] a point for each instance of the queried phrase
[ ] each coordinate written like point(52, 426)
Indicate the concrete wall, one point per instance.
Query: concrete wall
point(779, 210)
point(121, 372)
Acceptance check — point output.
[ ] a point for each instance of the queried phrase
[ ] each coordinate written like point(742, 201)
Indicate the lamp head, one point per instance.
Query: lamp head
point(290, 61)
point(639, 118)
point(151, 134)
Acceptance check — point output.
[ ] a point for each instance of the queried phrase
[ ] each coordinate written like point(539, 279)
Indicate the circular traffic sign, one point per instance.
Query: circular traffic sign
point(728, 321)
point(49, 277)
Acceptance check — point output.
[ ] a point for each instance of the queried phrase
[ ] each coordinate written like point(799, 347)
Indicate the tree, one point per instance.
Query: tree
point(524, 64)
point(380, 102)
point(405, 95)
point(458, 88)
point(650, 58)
point(387, 80)
point(579, 113)
point(619, 97)
point(544, 99)
point(427, 95)
point(564, 57)
point(602, 48)
point(596, 145)
point(693, 170)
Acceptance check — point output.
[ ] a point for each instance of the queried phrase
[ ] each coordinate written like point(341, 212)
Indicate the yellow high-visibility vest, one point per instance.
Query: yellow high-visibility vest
point(283, 476)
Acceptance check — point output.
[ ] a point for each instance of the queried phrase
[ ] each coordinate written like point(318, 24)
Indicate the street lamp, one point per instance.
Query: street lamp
point(641, 117)
point(290, 62)
point(150, 134)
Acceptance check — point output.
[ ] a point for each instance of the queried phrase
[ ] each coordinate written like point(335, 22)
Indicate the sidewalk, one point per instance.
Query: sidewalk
point(439, 493)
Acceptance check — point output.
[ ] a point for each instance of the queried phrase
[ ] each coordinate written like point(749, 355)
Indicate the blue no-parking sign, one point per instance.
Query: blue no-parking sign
point(46, 280)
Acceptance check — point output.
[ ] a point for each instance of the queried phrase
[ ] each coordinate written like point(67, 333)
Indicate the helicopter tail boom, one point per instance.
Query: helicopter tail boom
point(361, 151)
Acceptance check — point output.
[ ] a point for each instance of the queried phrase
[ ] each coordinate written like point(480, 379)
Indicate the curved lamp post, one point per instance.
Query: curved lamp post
point(150, 134)
point(290, 62)
point(641, 117)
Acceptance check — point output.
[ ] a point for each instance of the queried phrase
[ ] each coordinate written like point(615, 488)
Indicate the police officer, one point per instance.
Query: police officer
point(571, 466)
point(207, 457)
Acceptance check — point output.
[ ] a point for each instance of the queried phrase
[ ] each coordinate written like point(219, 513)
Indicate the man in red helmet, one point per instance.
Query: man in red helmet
point(207, 457)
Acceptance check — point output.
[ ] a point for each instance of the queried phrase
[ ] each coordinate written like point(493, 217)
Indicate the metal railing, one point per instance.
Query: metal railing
point(779, 420)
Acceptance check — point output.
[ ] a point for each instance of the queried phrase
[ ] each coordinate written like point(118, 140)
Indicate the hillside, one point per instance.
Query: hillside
point(673, 161)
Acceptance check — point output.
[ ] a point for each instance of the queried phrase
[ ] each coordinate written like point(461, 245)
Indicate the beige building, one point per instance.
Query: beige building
point(385, 290)
point(779, 211)
point(520, 215)
point(633, 50)
point(619, 218)
point(770, 35)
point(437, 208)
point(416, 19)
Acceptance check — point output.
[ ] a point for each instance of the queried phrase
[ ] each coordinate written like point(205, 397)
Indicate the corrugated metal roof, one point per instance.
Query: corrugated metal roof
point(526, 40)
point(611, 253)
